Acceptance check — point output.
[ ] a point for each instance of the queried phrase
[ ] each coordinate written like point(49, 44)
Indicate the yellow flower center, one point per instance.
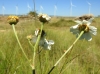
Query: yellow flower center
point(84, 28)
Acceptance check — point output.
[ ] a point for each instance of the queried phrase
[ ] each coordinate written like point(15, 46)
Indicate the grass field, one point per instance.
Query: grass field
point(84, 58)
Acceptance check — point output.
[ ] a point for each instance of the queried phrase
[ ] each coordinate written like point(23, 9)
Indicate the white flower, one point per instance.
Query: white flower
point(81, 27)
point(46, 44)
point(44, 18)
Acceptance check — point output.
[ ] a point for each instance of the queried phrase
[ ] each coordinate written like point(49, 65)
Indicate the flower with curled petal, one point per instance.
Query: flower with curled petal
point(46, 44)
point(44, 18)
point(13, 20)
point(84, 26)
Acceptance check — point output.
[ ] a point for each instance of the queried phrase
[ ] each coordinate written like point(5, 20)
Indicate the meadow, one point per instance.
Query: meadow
point(84, 58)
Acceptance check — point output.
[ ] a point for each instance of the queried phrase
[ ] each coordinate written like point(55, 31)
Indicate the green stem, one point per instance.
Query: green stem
point(65, 62)
point(66, 52)
point(19, 42)
point(69, 48)
point(40, 61)
point(35, 48)
point(30, 44)
point(61, 71)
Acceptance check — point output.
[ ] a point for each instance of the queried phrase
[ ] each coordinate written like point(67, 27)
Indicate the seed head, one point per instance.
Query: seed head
point(13, 20)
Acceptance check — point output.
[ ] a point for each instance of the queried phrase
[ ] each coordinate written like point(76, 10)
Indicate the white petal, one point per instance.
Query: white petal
point(93, 30)
point(39, 14)
point(74, 29)
point(36, 32)
point(49, 47)
point(46, 46)
point(44, 16)
point(87, 36)
point(46, 41)
point(47, 18)
point(90, 21)
point(85, 22)
point(50, 42)
point(79, 22)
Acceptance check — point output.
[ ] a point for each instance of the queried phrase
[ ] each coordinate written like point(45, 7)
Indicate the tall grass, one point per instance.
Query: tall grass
point(83, 59)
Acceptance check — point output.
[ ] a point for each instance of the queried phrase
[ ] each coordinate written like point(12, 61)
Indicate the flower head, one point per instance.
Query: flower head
point(46, 44)
point(13, 20)
point(84, 26)
point(44, 18)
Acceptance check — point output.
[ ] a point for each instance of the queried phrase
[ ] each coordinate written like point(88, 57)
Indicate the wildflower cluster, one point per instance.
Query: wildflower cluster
point(82, 30)
point(13, 20)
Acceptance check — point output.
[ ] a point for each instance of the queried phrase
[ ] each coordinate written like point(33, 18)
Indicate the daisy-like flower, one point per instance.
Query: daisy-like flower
point(46, 44)
point(13, 20)
point(44, 18)
point(84, 26)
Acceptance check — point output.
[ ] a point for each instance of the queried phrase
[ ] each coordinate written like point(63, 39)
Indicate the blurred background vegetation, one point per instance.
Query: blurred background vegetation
point(84, 58)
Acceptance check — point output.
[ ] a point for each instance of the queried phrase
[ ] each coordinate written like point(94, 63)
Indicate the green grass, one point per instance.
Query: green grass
point(12, 59)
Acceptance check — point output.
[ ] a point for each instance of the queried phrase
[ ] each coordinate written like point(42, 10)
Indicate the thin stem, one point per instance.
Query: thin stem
point(30, 44)
point(19, 42)
point(40, 60)
point(66, 52)
point(65, 62)
point(39, 55)
point(35, 48)
point(61, 72)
